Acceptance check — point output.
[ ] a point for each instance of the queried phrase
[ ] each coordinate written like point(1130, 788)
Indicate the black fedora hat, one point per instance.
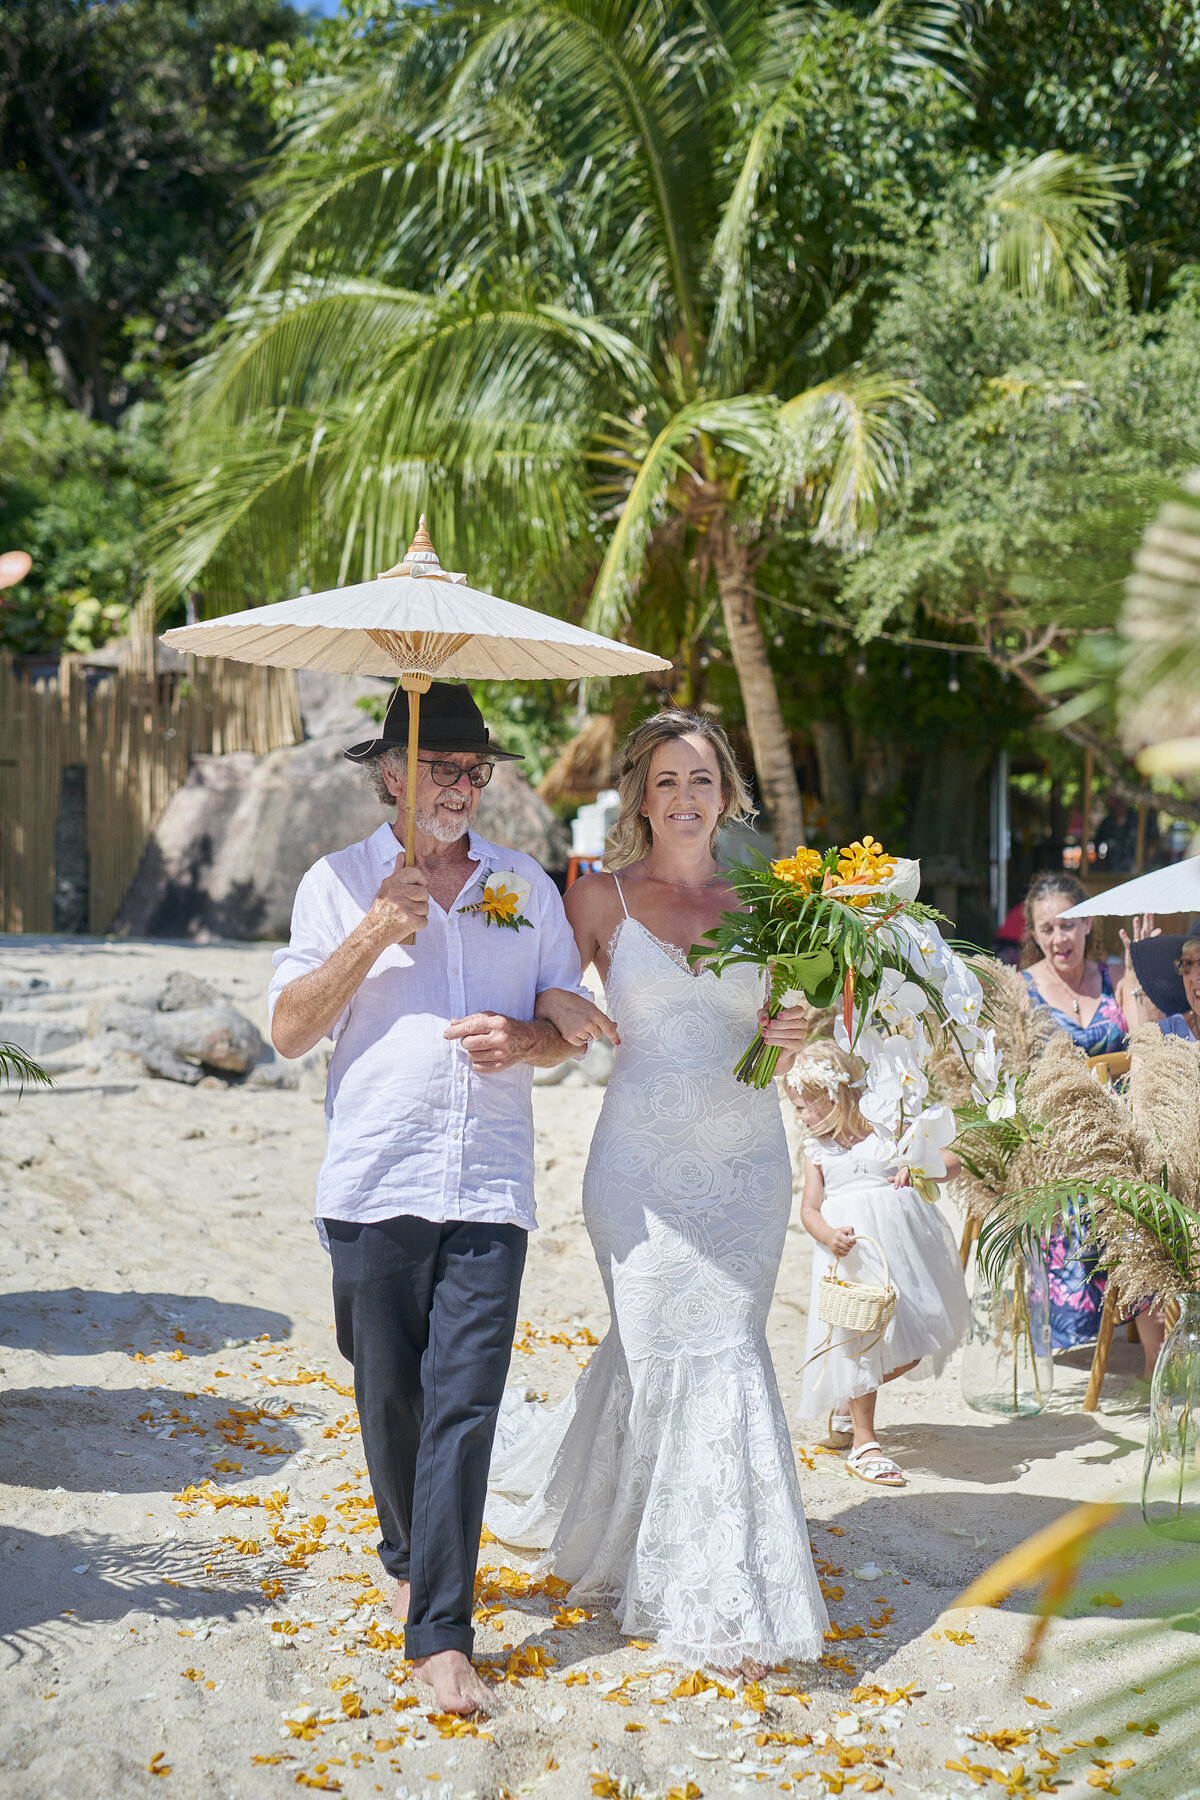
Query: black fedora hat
point(1154, 962)
point(450, 720)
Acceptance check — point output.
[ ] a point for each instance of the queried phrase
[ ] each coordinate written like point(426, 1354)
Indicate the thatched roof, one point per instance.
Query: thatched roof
point(583, 766)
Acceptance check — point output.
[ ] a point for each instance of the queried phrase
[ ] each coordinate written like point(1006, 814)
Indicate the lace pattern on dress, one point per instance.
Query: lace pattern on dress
point(673, 951)
point(665, 1484)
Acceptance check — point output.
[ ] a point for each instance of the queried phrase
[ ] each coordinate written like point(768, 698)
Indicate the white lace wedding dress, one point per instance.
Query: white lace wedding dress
point(664, 1486)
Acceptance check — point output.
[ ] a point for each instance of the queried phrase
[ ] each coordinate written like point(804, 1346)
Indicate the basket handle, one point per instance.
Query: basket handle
point(863, 1237)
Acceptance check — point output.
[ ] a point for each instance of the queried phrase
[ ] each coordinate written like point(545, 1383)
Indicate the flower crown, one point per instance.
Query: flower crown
point(821, 1073)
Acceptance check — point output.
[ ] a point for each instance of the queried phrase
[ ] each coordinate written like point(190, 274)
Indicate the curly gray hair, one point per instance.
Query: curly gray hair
point(396, 763)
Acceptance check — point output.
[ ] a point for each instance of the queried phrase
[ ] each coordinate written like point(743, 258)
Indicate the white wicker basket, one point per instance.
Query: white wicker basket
point(857, 1305)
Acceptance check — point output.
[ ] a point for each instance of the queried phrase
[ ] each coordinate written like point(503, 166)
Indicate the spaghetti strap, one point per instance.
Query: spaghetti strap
point(620, 895)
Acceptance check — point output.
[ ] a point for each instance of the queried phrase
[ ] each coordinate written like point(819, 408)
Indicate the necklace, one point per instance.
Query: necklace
point(1067, 988)
point(691, 887)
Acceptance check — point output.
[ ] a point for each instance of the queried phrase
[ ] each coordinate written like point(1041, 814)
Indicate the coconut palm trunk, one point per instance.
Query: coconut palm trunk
point(769, 739)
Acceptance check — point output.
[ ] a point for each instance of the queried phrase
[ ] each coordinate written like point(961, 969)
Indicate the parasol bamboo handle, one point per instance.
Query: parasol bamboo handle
point(414, 686)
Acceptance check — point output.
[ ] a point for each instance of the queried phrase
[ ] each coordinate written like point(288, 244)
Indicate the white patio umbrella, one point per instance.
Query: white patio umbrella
point(413, 622)
point(1175, 889)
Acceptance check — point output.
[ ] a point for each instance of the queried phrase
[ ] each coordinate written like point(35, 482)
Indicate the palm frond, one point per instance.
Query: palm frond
point(17, 1065)
point(844, 449)
point(1029, 1216)
point(624, 84)
point(1159, 657)
point(1048, 223)
point(743, 423)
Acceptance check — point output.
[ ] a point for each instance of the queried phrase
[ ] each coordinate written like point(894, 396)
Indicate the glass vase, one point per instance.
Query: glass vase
point(1171, 1481)
point(1007, 1367)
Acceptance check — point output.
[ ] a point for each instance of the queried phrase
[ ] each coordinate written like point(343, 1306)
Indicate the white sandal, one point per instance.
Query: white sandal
point(869, 1463)
point(840, 1426)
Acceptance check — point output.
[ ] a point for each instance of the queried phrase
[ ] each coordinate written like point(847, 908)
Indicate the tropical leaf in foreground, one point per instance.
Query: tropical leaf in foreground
point(1096, 1556)
point(1144, 1206)
point(16, 1065)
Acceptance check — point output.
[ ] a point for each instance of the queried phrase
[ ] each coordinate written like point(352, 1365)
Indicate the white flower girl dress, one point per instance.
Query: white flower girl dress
point(932, 1311)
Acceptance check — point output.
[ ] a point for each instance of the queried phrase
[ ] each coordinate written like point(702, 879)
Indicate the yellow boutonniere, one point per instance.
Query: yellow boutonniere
point(504, 894)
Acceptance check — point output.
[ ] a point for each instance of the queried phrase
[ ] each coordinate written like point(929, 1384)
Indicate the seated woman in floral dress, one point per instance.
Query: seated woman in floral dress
point(1078, 993)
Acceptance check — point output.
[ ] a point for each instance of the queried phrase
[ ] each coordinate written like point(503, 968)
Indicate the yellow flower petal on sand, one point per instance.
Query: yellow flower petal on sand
point(157, 1766)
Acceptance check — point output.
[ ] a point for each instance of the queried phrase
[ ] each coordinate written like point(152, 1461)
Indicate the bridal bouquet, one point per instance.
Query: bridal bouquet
point(848, 922)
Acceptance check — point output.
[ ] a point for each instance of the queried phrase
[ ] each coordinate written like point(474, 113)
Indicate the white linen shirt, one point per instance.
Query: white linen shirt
point(412, 1128)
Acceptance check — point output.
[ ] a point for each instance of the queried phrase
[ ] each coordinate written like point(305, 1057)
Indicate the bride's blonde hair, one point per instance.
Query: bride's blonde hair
point(824, 1068)
point(630, 838)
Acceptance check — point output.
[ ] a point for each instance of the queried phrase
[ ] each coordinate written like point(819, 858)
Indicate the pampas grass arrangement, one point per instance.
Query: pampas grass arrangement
point(1131, 1159)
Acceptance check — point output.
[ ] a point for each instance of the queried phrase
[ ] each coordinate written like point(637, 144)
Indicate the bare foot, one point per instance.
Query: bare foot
point(400, 1602)
point(750, 1671)
point(456, 1686)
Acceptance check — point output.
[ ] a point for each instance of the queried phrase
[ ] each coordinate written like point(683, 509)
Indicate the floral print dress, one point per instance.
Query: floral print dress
point(1076, 1290)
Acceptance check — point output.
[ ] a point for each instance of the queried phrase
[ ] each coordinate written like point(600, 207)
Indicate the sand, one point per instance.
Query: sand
point(188, 1594)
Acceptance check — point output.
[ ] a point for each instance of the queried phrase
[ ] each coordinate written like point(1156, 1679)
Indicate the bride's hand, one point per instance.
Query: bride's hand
point(577, 1019)
point(788, 1030)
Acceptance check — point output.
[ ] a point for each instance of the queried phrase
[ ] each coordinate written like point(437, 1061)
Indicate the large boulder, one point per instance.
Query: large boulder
point(180, 1028)
point(228, 853)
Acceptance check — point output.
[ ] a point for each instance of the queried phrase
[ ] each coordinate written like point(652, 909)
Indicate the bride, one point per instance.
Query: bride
point(664, 1486)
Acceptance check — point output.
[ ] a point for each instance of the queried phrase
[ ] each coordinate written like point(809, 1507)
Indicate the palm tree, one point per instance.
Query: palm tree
point(517, 268)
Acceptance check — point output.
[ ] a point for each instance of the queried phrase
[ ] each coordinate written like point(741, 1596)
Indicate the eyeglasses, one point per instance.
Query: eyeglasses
point(447, 774)
point(1189, 965)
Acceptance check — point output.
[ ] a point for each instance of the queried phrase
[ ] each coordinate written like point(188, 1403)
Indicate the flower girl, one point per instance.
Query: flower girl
point(851, 1193)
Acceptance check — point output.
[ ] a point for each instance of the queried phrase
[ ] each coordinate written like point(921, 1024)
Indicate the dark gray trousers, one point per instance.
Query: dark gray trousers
point(426, 1314)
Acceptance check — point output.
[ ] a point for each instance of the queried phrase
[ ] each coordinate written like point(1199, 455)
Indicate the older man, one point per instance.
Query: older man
point(425, 1196)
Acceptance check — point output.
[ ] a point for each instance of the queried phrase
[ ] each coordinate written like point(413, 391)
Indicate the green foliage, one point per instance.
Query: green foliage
point(1029, 1217)
point(120, 165)
point(73, 493)
point(1117, 81)
point(16, 1065)
point(1057, 435)
point(820, 943)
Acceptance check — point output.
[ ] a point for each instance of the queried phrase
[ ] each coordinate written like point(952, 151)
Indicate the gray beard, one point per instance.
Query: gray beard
point(441, 825)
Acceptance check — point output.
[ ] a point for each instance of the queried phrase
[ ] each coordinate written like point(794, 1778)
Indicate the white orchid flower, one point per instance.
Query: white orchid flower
point(986, 1064)
point(923, 947)
point(898, 999)
point(896, 1082)
point(868, 1042)
point(962, 995)
point(931, 1133)
point(882, 1110)
point(1003, 1104)
point(505, 881)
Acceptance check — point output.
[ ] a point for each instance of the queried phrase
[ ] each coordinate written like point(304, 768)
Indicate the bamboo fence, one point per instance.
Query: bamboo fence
point(135, 733)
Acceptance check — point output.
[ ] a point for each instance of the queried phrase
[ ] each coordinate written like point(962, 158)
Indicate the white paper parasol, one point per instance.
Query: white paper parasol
point(413, 622)
point(1175, 889)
